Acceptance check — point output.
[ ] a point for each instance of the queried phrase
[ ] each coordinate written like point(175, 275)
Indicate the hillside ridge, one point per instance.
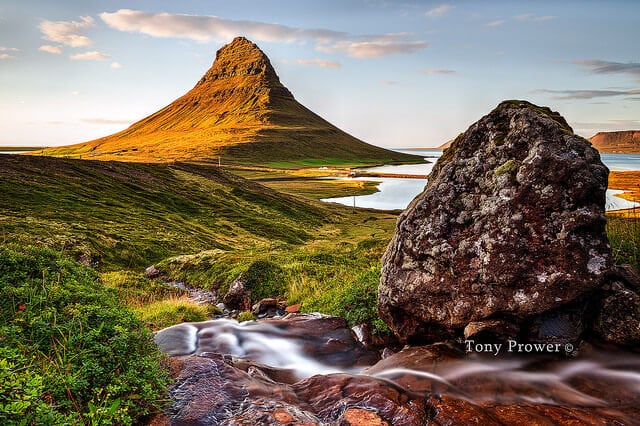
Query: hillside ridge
point(625, 141)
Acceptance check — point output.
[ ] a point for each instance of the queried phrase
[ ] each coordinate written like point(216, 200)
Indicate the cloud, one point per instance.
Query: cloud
point(7, 55)
point(438, 71)
point(207, 28)
point(68, 33)
point(598, 66)
point(496, 23)
point(89, 56)
point(530, 17)
point(50, 49)
point(375, 47)
point(439, 10)
point(106, 121)
point(587, 94)
point(324, 63)
point(116, 65)
point(388, 82)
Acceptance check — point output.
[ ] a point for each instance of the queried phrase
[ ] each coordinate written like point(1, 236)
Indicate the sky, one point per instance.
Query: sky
point(393, 73)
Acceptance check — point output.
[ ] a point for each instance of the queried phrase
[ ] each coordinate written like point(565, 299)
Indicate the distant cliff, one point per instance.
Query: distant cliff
point(627, 141)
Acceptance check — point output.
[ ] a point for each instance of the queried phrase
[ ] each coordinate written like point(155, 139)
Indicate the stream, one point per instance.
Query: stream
point(289, 356)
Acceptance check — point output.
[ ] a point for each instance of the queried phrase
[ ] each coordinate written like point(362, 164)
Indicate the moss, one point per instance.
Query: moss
point(246, 316)
point(509, 166)
point(554, 115)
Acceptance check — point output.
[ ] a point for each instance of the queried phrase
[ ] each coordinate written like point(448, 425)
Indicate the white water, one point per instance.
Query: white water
point(476, 379)
point(256, 341)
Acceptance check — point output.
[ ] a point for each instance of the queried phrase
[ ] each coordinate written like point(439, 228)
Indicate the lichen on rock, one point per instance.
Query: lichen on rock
point(510, 225)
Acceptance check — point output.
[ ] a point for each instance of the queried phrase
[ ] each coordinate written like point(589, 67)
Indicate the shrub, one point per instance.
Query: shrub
point(69, 353)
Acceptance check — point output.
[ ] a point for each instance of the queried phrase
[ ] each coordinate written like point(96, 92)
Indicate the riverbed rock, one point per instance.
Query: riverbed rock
point(238, 297)
point(152, 272)
point(510, 225)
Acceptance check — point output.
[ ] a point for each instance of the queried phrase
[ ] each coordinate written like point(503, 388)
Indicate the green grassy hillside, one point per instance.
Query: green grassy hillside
point(127, 215)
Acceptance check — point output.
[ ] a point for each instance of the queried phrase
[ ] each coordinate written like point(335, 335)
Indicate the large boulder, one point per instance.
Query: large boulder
point(510, 225)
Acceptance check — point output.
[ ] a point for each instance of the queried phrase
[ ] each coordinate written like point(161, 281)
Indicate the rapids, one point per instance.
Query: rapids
point(311, 345)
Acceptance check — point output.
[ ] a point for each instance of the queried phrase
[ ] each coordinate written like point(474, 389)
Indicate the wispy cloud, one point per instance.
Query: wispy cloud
point(116, 65)
point(527, 17)
point(388, 82)
point(89, 56)
point(374, 47)
point(598, 66)
point(586, 94)
point(438, 71)
point(68, 33)
point(496, 23)
point(50, 49)
point(324, 63)
point(439, 10)
point(106, 121)
point(7, 49)
point(207, 28)
point(530, 17)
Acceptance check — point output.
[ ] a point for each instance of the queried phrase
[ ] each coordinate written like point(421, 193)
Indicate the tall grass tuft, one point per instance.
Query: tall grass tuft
point(623, 229)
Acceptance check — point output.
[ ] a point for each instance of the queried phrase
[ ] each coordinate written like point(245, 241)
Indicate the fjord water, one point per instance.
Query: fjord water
point(397, 193)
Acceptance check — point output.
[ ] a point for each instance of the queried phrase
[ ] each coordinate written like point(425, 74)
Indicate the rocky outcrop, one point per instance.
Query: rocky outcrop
point(510, 226)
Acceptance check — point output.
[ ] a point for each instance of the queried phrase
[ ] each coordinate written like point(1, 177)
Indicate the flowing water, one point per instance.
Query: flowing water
point(397, 193)
point(592, 380)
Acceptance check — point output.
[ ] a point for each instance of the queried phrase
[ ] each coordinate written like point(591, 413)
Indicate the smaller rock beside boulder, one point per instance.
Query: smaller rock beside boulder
point(618, 315)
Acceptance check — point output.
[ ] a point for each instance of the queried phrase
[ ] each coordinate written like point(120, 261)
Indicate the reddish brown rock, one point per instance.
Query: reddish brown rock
point(360, 417)
point(237, 297)
point(328, 395)
point(510, 225)
point(292, 309)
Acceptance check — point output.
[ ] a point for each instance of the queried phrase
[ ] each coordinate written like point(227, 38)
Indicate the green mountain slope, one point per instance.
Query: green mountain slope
point(131, 214)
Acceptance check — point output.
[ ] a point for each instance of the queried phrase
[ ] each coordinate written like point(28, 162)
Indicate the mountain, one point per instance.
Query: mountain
point(627, 141)
point(241, 112)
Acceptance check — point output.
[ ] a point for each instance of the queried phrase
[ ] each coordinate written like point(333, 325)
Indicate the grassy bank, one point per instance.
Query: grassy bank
point(70, 353)
point(129, 215)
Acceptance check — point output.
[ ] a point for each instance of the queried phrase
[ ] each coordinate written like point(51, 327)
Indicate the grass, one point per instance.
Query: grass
point(627, 181)
point(20, 148)
point(336, 273)
point(69, 352)
point(311, 183)
point(623, 229)
point(201, 225)
point(129, 215)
